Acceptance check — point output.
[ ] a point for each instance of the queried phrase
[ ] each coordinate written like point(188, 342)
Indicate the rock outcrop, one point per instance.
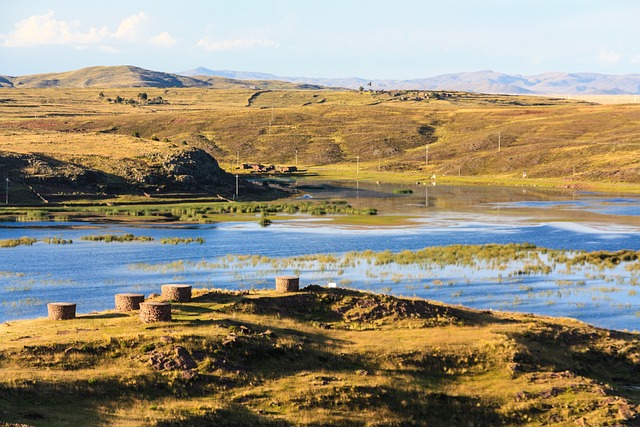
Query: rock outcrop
point(188, 170)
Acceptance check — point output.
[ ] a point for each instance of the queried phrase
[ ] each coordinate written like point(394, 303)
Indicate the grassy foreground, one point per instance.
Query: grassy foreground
point(318, 357)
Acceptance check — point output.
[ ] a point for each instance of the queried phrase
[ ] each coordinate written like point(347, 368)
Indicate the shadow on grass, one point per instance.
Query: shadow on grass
point(18, 407)
point(258, 352)
point(190, 309)
point(235, 415)
point(106, 315)
point(607, 357)
point(219, 297)
point(410, 407)
point(251, 354)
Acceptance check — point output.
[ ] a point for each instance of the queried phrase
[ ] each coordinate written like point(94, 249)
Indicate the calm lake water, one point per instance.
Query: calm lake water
point(90, 273)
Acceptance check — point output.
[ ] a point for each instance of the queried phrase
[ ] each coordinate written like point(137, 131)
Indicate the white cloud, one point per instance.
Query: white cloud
point(130, 27)
point(237, 44)
point(43, 30)
point(47, 30)
point(163, 39)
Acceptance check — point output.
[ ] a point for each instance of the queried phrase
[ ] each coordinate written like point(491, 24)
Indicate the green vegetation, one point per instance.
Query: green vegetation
point(202, 212)
point(317, 357)
point(33, 215)
point(10, 243)
point(264, 222)
point(208, 212)
point(512, 260)
point(57, 241)
point(179, 240)
point(108, 238)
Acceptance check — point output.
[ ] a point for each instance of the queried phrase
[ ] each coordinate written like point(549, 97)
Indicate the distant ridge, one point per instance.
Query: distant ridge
point(489, 82)
point(130, 76)
point(479, 81)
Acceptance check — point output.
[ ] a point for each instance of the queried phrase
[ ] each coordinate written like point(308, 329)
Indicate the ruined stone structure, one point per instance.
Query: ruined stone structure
point(155, 312)
point(287, 283)
point(61, 310)
point(177, 293)
point(128, 302)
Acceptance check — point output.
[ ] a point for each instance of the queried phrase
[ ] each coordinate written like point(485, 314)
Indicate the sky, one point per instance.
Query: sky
point(374, 39)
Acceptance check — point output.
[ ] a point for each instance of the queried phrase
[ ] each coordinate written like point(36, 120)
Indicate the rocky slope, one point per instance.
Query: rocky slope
point(189, 170)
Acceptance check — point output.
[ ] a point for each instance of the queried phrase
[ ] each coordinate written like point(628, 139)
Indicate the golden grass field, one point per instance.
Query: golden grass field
point(479, 138)
point(316, 357)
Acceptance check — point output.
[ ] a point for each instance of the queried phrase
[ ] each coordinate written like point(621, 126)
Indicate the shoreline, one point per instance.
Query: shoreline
point(100, 212)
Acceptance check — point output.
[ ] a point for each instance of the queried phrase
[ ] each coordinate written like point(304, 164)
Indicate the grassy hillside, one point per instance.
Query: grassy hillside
point(491, 138)
point(317, 357)
point(129, 76)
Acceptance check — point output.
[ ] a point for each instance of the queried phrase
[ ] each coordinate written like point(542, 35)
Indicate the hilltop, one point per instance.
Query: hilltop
point(130, 76)
point(317, 357)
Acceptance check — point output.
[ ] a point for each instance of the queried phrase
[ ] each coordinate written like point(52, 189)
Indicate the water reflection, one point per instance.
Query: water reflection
point(90, 273)
point(545, 204)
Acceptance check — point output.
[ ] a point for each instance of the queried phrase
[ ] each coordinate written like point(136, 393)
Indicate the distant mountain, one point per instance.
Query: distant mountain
point(480, 81)
point(238, 75)
point(130, 76)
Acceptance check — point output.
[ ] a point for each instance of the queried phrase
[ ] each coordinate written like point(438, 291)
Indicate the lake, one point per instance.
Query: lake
point(90, 273)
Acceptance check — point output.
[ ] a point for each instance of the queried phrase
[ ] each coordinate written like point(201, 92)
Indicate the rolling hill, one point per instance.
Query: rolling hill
point(478, 82)
point(66, 138)
point(489, 82)
point(129, 76)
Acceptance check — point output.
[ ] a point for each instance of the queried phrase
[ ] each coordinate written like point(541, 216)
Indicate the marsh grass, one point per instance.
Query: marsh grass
point(181, 240)
point(518, 275)
point(11, 243)
point(57, 241)
point(121, 238)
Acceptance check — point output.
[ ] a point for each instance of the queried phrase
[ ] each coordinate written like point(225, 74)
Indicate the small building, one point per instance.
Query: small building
point(287, 169)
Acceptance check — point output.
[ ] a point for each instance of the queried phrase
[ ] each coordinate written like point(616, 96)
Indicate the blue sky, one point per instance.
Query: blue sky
point(374, 39)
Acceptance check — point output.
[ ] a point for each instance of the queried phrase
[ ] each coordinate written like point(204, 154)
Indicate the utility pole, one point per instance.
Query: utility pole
point(7, 193)
point(426, 159)
point(357, 165)
point(236, 186)
point(270, 121)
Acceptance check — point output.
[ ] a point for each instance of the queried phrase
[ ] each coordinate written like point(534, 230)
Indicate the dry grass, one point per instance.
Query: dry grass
point(315, 358)
point(565, 141)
